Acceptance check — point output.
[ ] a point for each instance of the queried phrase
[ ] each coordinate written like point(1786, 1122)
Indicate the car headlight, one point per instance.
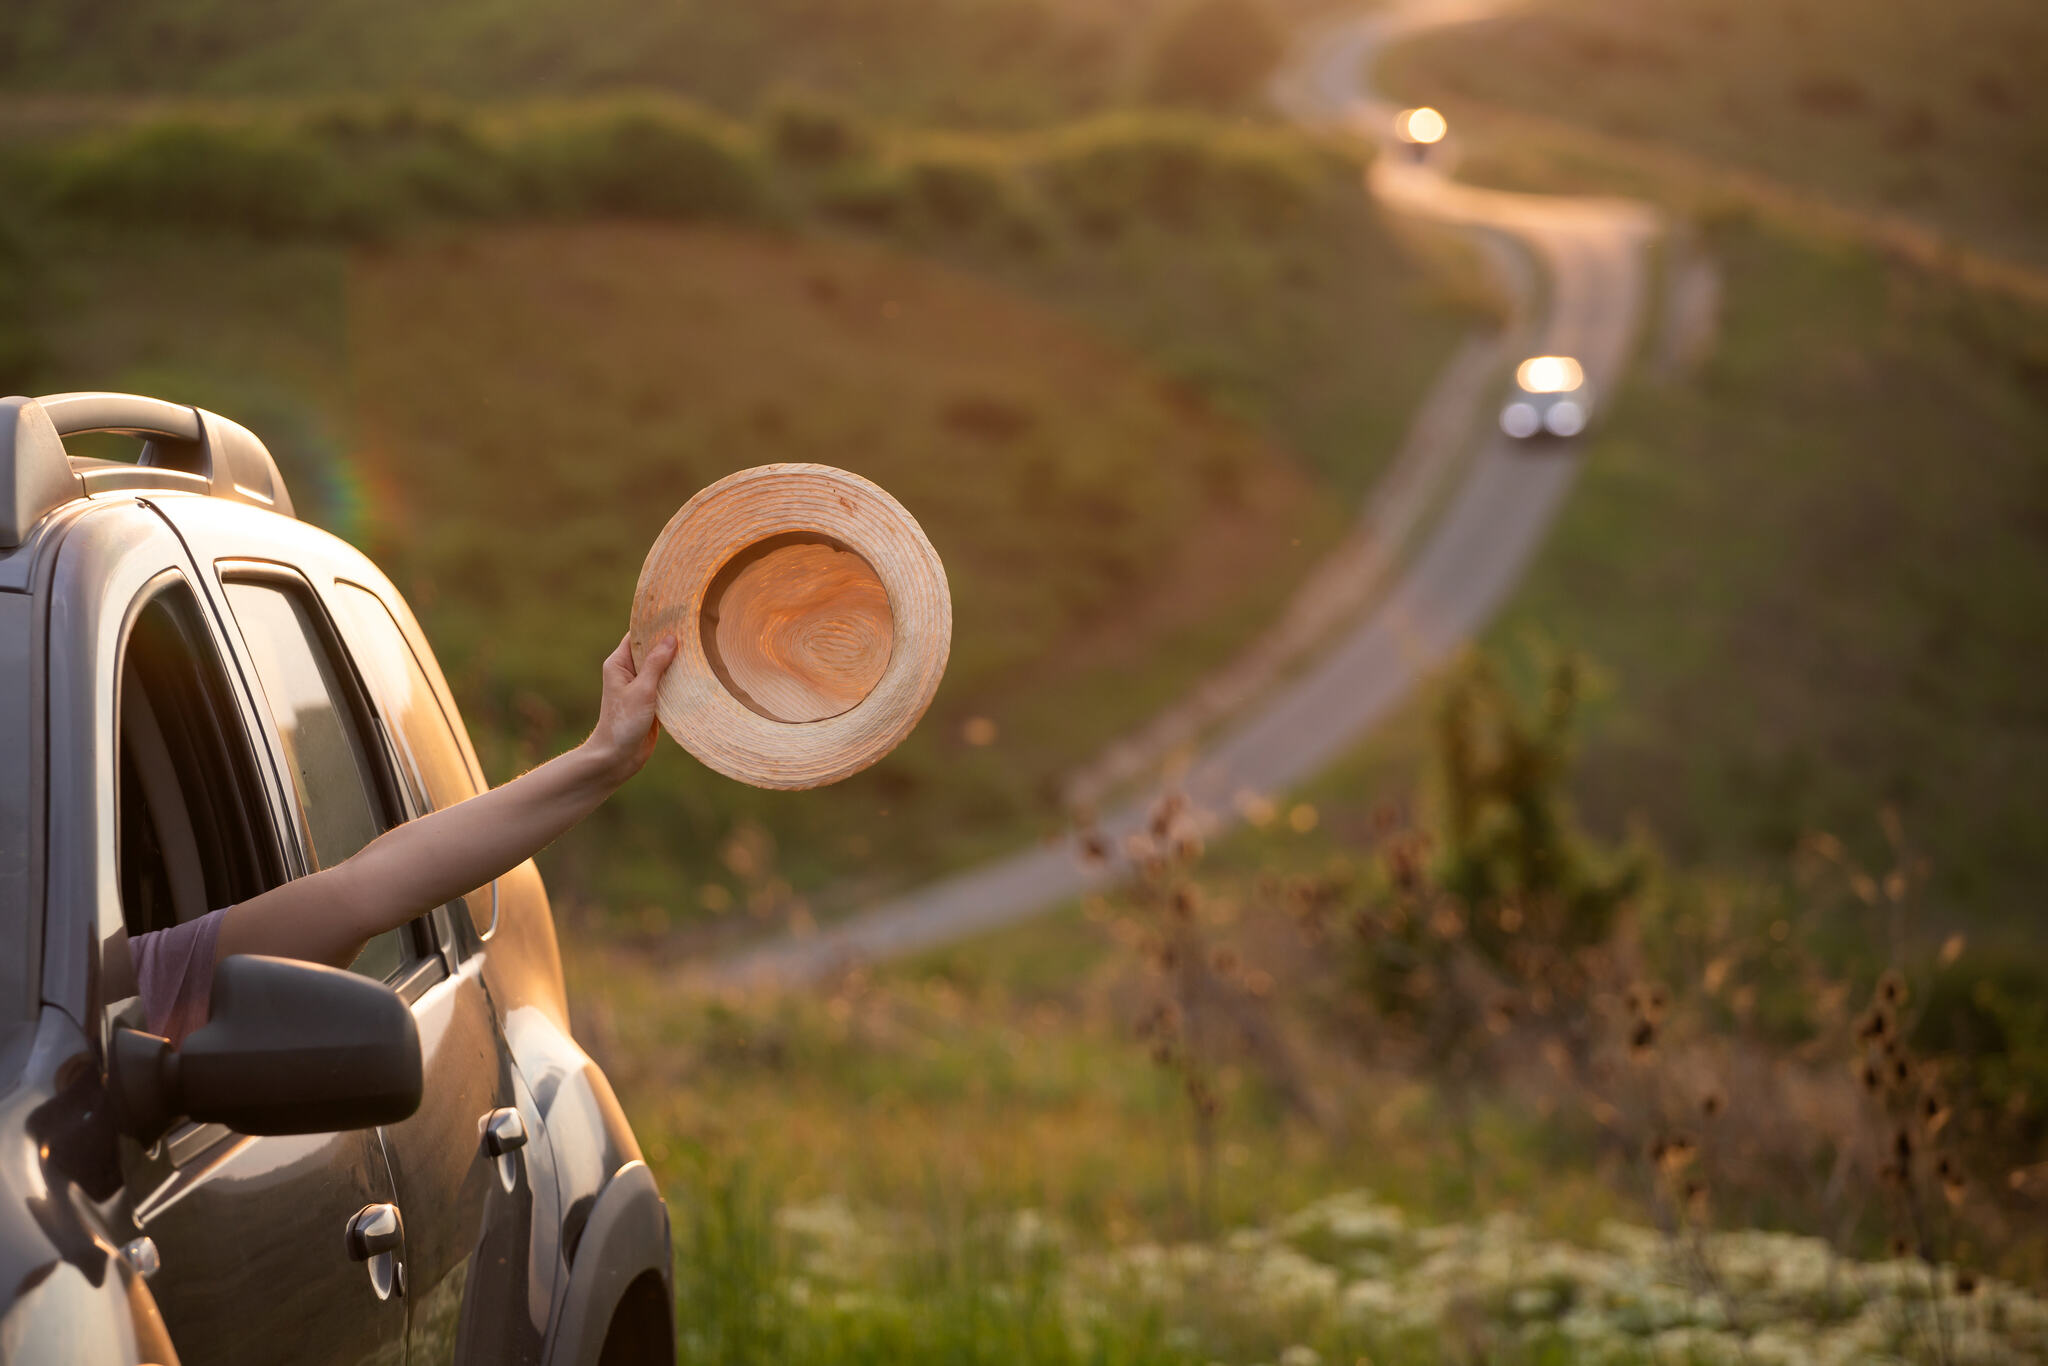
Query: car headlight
point(1565, 418)
point(1520, 420)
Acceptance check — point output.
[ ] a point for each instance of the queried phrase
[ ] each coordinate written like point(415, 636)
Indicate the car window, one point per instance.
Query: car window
point(322, 735)
point(193, 829)
point(413, 714)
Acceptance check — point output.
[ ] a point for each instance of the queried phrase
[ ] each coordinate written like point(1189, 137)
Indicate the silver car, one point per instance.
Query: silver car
point(1550, 397)
point(200, 697)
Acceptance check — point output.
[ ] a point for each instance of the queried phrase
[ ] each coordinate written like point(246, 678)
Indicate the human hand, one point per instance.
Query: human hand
point(625, 733)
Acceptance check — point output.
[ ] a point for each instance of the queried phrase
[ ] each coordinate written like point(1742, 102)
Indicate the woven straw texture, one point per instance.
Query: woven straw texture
point(733, 516)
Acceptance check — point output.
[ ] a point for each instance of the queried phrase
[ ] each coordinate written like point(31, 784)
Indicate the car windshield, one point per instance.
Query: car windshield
point(17, 958)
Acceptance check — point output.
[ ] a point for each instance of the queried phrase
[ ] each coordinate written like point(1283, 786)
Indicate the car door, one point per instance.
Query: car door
point(474, 1164)
point(164, 806)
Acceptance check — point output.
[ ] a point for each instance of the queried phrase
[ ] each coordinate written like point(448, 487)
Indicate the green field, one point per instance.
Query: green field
point(1932, 113)
point(1811, 577)
point(1814, 576)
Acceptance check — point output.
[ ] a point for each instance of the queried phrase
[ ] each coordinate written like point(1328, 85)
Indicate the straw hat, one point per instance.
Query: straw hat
point(813, 619)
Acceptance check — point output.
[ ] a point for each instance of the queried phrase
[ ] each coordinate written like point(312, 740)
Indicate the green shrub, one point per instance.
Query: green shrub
point(361, 167)
point(961, 191)
point(270, 181)
point(870, 196)
point(415, 156)
point(1508, 834)
point(449, 182)
point(1179, 172)
point(1215, 54)
point(812, 133)
point(653, 158)
point(1988, 1015)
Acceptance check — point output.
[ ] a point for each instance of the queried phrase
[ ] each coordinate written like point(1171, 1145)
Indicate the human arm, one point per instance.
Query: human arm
point(328, 916)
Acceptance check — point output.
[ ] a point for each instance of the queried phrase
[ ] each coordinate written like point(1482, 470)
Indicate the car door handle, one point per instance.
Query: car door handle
point(504, 1132)
point(375, 1230)
point(376, 1235)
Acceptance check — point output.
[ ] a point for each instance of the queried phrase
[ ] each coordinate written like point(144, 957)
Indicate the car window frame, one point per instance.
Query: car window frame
point(127, 556)
point(21, 802)
point(271, 864)
point(106, 568)
point(425, 940)
point(460, 943)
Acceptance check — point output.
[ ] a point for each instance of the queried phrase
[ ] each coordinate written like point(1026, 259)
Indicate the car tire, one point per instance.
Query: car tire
point(642, 1331)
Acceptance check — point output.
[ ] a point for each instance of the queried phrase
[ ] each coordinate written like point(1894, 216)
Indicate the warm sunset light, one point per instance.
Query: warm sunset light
point(1424, 126)
point(1108, 705)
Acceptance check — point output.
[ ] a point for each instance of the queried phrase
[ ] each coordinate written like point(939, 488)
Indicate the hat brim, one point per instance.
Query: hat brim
point(738, 512)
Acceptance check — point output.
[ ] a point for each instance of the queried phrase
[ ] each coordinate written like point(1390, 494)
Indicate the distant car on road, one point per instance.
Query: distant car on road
point(1550, 396)
point(1420, 130)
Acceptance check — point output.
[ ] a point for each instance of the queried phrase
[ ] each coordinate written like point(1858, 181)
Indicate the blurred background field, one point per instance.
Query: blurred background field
point(1580, 963)
point(1089, 360)
point(1930, 114)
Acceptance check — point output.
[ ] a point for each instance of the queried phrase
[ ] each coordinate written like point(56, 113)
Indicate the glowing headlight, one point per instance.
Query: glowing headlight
point(1565, 418)
point(1422, 126)
point(1520, 420)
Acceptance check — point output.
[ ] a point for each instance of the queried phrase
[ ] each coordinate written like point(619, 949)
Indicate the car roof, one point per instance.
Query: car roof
point(188, 450)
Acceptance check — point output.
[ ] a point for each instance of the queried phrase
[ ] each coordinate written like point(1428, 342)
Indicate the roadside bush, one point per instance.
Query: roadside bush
point(1990, 1016)
point(1177, 172)
point(1508, 835)
point(1215, 54)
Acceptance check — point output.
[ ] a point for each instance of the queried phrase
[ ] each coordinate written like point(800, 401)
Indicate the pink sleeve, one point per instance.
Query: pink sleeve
point(174, 974)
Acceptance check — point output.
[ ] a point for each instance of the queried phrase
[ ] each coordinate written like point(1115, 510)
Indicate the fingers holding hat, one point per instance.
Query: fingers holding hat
point(646, 679)
point(619, 662)
point(625, 733)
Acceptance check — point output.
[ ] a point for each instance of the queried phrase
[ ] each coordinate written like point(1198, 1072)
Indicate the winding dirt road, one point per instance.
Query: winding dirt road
point(1410, 616)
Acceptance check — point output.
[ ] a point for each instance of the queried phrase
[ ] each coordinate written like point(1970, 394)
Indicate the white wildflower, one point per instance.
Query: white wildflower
point(1347, 1221)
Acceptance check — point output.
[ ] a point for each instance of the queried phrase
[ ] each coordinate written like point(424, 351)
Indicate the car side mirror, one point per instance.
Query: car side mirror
point(288, 1048)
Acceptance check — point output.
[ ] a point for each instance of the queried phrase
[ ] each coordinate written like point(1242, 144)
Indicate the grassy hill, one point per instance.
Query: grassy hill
point(1816, 575)
point(1809, 576)
point(1130, 378)
point(1932, 112)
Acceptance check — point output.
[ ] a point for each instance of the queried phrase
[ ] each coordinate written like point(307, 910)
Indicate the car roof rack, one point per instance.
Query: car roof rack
point(188, 449)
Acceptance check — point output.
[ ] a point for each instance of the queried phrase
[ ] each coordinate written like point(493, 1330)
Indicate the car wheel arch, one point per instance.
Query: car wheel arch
point(624, 1240)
